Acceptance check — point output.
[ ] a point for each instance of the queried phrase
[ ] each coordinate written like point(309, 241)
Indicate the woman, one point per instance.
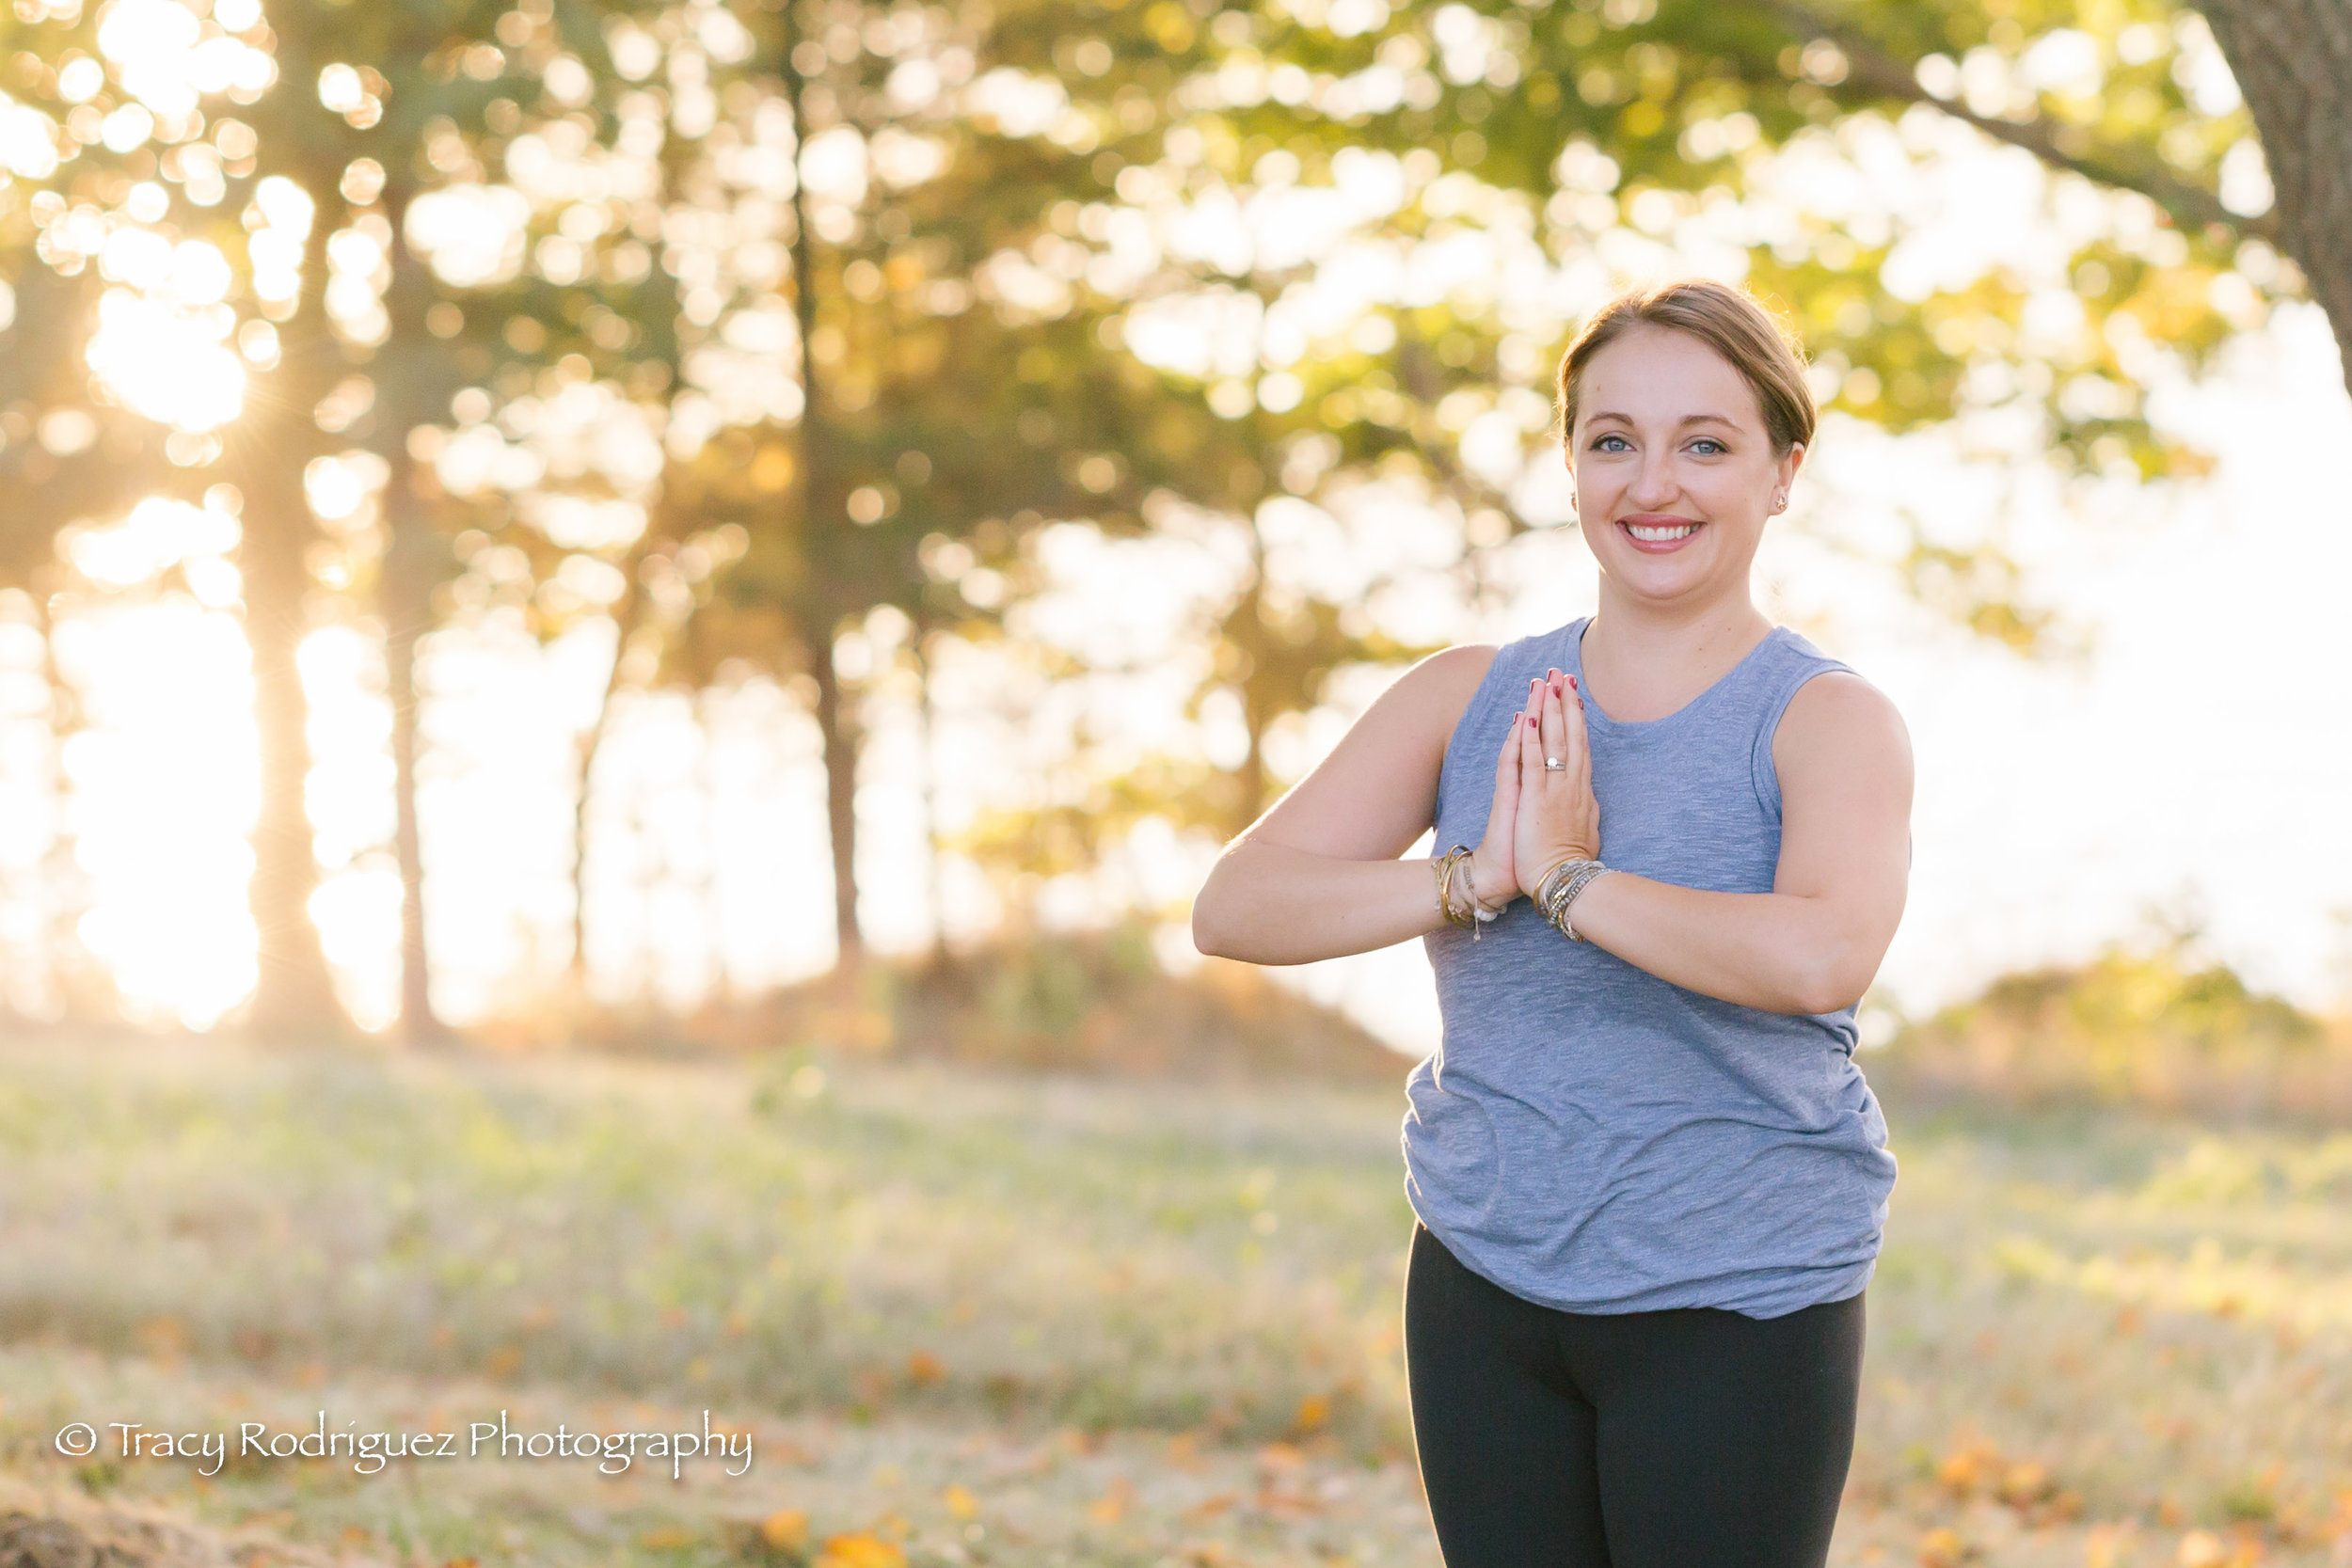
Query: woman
point(1649, 1180)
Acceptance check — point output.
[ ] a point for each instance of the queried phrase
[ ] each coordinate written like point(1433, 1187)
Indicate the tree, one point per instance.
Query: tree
point(894, 196)
point(2293, 59)
point(1606, 130)
point(71, 455)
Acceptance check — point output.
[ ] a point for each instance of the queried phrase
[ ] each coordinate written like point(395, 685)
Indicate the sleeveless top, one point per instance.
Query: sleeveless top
point(1593, 1138)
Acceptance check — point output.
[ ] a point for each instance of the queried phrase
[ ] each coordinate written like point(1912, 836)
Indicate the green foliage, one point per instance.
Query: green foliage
point(1094, 1002)
point(2156, 1027)
point(1674, 111)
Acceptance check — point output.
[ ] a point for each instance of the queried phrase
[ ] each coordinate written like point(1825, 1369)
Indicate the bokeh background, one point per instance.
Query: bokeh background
point(625, 629)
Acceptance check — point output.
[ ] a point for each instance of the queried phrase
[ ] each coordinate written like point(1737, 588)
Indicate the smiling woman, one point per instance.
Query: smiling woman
point(1650, 1179)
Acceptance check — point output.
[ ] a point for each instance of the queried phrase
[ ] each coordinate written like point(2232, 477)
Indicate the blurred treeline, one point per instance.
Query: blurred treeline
point(755, 326)
point(2163, 1025)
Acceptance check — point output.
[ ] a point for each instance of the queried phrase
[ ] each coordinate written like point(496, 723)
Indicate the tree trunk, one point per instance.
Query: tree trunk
point(294, 1001)
point(927, 716)
point(62, 881)
point(404, 603)
point(624, 616)
point(2293, 60)
point(819, 618)
point(840, 738)
point(720, 993)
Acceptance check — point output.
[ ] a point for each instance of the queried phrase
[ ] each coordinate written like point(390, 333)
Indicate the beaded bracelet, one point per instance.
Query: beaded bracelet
point(1559, 888)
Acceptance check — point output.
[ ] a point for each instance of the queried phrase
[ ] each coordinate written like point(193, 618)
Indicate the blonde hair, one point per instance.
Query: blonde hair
point(1729, 320)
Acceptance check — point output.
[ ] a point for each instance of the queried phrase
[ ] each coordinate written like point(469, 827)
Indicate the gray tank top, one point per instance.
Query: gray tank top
point(1595, 1139)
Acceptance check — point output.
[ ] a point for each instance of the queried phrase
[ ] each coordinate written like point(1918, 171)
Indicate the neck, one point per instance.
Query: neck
point(1659, 635)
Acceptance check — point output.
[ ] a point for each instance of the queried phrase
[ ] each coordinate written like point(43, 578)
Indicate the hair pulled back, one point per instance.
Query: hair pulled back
point(1728, 320)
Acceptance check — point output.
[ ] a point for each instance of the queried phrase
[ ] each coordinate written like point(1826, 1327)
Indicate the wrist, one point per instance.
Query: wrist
point(1481, 881)
point(1555, 860)
point(1556, 892)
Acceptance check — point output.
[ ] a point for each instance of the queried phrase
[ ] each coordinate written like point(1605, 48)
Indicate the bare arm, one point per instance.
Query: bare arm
point(1317, 876)
point(1814, 943)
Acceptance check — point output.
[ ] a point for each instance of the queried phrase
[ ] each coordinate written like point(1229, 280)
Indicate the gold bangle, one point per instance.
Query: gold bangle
point(1444, 865)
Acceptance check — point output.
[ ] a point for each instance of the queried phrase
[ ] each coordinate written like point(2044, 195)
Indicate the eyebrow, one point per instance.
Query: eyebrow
point(1687, 419)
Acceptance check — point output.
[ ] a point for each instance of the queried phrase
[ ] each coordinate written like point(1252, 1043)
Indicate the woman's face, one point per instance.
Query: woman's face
point(1675, 472)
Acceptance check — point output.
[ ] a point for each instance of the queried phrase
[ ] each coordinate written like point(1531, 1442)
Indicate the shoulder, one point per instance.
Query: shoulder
point(1428, 699)
point(1449, 675)
point(1836, 719)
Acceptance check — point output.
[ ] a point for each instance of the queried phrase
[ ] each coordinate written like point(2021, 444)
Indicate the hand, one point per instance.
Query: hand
point(1558, 817)
point(1493, 881)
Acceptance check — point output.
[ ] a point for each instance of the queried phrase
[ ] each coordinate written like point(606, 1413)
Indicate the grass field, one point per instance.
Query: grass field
point(967, 1317)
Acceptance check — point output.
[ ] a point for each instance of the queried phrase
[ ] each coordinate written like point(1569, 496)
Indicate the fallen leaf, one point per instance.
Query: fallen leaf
point(1944, 1548)
point(860, 1551)
point(2026, 1481)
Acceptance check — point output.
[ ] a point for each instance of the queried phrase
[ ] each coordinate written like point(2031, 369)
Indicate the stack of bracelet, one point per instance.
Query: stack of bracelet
point(1559, 888)
point(1476, 915)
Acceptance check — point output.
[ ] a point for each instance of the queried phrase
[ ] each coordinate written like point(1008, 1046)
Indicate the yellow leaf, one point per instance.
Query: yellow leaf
point(860, 1551)
point(962, 1503)
point(1943, 1548)
point(1964, 1467)
point(1107, 1509)
point(2024, 1482)
point(1312, 1412)
point(787, 1529)
point(923, 1367)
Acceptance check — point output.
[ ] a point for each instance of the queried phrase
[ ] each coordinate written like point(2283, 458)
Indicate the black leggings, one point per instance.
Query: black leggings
point(1693, 1437)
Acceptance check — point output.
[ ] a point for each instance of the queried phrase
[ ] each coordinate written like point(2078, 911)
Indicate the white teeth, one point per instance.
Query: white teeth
point(1654, 533)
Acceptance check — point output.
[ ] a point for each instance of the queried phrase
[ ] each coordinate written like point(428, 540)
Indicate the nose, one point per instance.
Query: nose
point(1654, 485)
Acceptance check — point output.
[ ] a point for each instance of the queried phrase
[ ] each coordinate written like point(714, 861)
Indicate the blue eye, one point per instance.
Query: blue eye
point(1599, 442)
point(1710, 441)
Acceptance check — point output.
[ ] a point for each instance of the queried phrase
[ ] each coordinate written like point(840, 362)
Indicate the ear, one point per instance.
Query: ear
point(1785, 472)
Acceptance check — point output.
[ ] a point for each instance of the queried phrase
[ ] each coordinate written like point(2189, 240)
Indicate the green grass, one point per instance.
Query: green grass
point(1133, 1324)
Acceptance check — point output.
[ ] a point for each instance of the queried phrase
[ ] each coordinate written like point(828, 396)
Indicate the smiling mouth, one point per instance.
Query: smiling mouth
point(1654, 534)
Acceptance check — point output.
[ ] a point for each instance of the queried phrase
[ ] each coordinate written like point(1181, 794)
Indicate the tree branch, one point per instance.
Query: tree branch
point(1869, 66)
